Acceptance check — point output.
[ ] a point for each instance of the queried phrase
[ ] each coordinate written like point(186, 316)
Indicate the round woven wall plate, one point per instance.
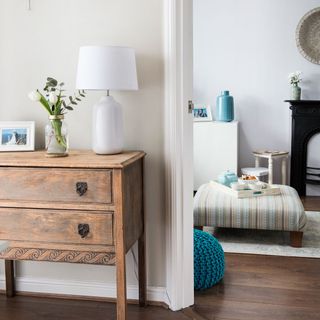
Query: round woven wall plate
point(308, 36)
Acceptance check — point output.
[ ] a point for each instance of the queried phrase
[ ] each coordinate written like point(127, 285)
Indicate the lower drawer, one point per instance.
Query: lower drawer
point(60, 226)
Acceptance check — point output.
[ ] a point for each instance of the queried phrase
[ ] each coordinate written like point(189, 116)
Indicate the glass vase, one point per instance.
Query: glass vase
point(296, 92)
point(56, 132)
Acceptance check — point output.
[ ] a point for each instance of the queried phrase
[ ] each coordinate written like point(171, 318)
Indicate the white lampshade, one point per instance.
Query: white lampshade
point(107, 68)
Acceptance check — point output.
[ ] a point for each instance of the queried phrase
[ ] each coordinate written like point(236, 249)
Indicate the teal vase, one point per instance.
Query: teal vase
point(296, 92)
point(225, 108)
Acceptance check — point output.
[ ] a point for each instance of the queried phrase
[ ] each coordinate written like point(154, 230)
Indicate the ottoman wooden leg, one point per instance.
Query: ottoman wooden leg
point(296, 239)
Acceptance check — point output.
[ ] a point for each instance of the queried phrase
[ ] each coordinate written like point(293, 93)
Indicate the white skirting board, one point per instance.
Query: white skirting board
point(79, 288)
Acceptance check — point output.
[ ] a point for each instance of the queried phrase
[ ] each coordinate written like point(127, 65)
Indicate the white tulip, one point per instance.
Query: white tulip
point(291, 75)
point(53, 98)
point(34, 95)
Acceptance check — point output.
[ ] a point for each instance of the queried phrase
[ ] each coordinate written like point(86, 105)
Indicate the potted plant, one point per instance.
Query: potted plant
point(57, 104)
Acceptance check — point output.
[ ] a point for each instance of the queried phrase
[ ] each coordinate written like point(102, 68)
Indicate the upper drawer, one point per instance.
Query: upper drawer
point(56, 185)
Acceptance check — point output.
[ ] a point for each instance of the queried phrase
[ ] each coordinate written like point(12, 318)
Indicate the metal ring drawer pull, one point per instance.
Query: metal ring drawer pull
point(81, 188)
point(83, 229)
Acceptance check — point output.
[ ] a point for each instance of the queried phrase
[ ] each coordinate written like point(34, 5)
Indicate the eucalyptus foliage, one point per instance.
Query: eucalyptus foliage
point(54, 99)
point(57, 103)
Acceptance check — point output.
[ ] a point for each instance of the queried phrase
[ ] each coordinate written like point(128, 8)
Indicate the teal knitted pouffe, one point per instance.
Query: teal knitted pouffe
point(208, 260)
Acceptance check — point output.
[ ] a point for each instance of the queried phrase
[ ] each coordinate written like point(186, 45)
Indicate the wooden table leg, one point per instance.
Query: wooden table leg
point(9, 275)
point(120, 249)
point(257, 162)
point(121, 271)
point(284, 170)
point(142, 251)
point(270, 167)
point(121, 287)
point(142, 271)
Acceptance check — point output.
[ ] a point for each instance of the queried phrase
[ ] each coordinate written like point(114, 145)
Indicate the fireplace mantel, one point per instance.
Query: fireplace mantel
point(305, 107)
point(305, 124)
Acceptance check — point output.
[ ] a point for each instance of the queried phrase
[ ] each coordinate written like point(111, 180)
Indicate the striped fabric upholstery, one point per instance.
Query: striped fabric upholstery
point(281, 212)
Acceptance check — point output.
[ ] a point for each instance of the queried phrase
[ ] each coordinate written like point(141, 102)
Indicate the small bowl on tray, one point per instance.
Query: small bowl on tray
point(246, 179)
point(256, 186)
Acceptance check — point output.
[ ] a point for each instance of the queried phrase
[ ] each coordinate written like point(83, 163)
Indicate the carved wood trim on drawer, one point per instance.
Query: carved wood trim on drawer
point(53, 255)
point(61, 246)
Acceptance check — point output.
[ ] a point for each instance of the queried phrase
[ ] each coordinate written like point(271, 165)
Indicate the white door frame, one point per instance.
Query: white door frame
point(178, 160)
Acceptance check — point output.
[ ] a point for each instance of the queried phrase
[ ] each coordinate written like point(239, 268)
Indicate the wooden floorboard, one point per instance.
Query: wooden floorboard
point(239, 310)
point(311, 203)
point(293, 297)
point(34, 308)
point(263, 287)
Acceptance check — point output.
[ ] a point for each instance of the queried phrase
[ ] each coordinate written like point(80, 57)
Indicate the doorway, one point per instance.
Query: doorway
point(236, 48)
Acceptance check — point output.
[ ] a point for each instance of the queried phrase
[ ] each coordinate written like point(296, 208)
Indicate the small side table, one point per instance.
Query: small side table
point(271, 155)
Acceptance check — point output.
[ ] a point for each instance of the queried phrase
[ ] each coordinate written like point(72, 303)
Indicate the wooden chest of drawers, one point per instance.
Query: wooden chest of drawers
point(84, 208)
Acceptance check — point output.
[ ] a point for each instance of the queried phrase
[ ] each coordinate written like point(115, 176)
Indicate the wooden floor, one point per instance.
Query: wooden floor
point(263, 288)
point(31, 308)
point(311, 203)
point(255, 287)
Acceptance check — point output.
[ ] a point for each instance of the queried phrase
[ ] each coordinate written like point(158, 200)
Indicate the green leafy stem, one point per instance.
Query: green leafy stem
point(57, 127)
point(56, 104)
point(60, 106)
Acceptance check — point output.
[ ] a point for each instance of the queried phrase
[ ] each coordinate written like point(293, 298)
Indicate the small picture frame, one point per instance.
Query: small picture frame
point(17, 135)
point(202, 113)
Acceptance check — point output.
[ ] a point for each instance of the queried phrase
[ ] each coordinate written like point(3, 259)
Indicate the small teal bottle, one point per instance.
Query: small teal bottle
point(224, 108)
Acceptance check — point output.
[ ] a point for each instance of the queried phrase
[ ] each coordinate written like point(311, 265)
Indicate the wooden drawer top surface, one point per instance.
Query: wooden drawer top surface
point(76, 159)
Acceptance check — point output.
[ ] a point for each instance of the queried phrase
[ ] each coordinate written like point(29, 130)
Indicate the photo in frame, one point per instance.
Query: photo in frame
point(202, 113)
point(17, 135)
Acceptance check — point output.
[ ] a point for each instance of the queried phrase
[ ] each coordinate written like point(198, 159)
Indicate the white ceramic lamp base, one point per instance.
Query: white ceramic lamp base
point(107, 129)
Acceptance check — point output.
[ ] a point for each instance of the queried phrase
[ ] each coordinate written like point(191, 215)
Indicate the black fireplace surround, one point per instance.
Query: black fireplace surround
point(305, 124)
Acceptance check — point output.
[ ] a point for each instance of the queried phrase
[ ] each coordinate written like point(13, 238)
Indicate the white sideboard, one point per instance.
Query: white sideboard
point(215, 149)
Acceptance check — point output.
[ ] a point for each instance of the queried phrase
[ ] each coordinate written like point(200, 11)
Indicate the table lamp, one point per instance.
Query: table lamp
point(107, 68)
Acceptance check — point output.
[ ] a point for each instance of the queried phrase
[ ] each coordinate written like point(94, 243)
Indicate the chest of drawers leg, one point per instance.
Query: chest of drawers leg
point(129, 226)
point(9, 275)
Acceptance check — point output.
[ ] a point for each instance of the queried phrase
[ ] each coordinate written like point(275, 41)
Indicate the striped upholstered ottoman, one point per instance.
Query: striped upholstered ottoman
point(284, 212)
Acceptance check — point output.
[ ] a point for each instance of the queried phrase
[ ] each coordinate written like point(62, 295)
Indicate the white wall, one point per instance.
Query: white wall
point(248, 47)
point(44, 42)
